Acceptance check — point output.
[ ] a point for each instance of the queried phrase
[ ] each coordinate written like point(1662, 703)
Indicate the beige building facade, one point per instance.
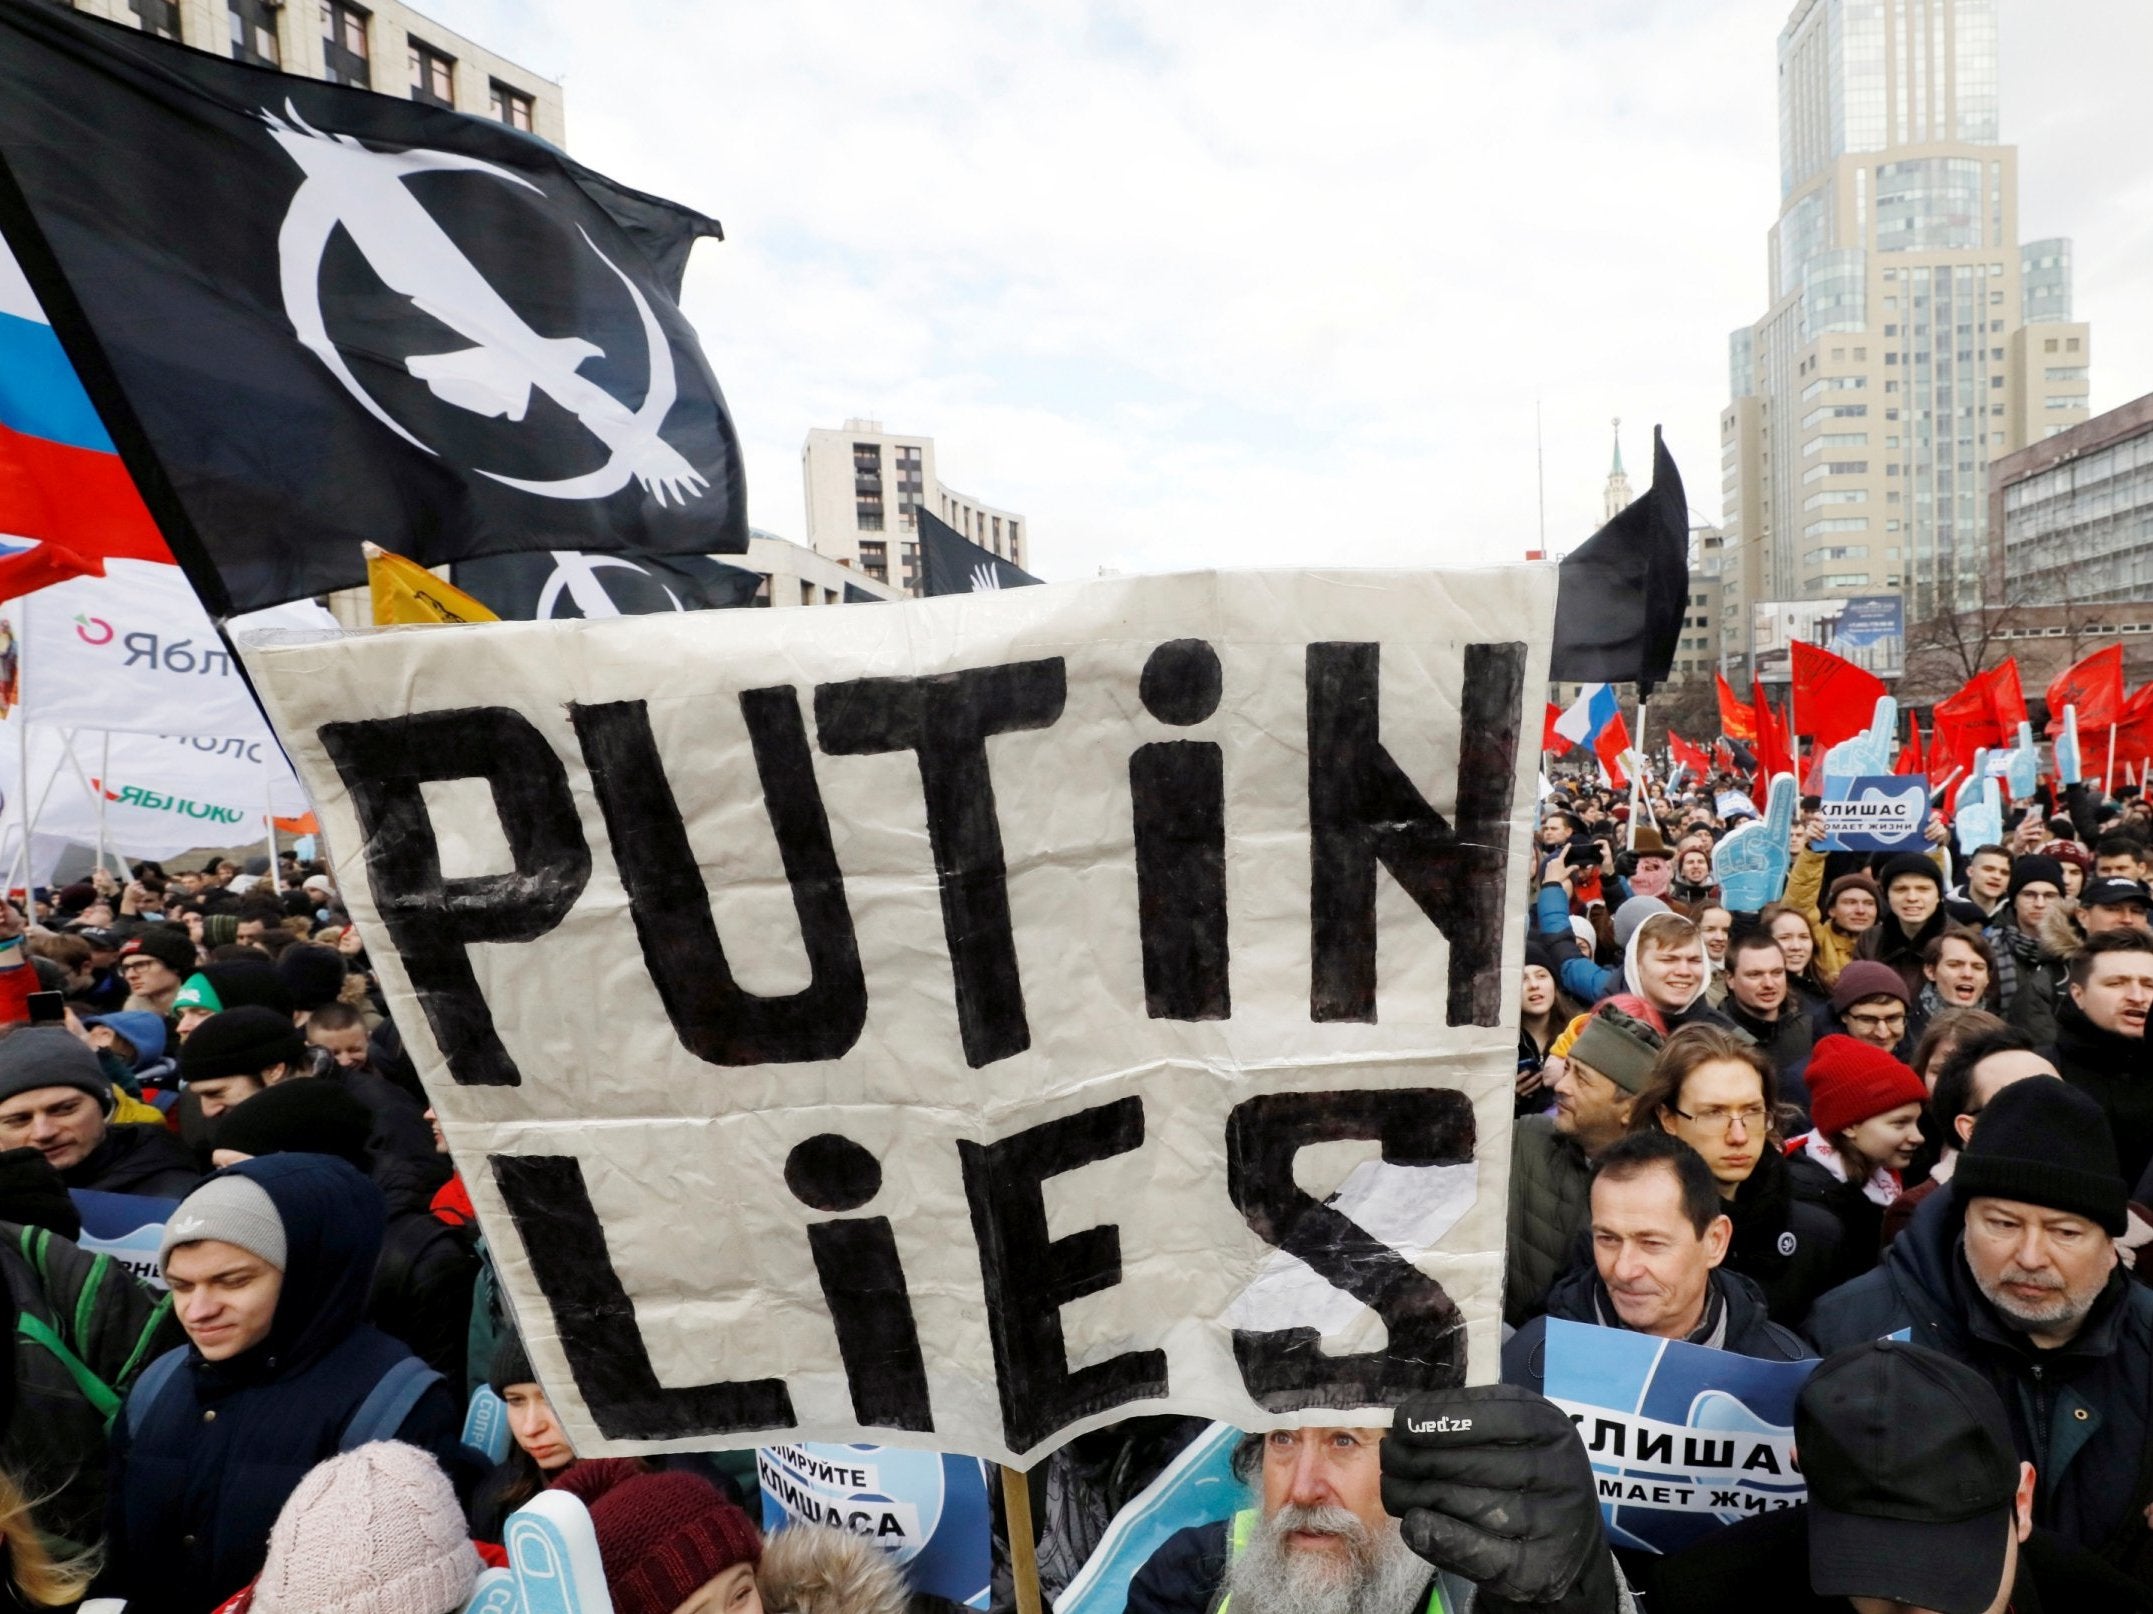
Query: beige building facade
point(864, 484)
point(381, 46)
point(1910, 338)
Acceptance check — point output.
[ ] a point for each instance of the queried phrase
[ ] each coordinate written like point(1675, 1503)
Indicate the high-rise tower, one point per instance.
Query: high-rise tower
point(1911, 337)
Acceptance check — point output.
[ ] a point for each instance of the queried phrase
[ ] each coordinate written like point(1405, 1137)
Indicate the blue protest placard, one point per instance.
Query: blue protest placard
point(1875, 813)
point(928, 1510)
point(1198, 1487)
point(1683, 1439)
point(127, 1227)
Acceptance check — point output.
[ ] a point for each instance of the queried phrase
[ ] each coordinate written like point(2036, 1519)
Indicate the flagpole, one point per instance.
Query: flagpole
point(269, 823)
point(2108, 774)
point(104, 772)
point(1637, 769)
point(22, 745)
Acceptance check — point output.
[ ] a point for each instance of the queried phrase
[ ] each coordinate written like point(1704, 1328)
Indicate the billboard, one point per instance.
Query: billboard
point(1869, 630)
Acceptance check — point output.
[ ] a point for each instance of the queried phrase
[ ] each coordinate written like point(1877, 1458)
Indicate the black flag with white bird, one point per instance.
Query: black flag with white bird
point(549, 585)
point(951, 563)
point(311, 315)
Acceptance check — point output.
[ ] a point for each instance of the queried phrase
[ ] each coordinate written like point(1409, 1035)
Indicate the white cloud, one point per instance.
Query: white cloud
point(1212, 284)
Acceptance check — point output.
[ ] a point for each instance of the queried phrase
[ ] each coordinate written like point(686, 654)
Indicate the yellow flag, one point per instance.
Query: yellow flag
point(405, 591)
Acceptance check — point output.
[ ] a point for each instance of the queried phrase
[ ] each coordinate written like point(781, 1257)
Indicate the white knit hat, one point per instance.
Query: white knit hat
point(375, 1531)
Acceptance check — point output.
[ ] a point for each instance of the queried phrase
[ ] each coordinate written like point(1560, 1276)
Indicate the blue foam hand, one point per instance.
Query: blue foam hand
point(495, 1593)
point(2022, 765)
point(553, 1552)
point(1751, 863)
point(2068, 770)
point(1978, 815)
point(485, 1424)
point(1868, 753)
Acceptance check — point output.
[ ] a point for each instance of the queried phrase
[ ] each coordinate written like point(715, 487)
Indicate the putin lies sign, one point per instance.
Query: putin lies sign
point(963, 1023)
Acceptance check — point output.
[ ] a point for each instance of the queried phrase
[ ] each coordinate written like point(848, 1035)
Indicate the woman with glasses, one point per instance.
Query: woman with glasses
point(1717, 1093)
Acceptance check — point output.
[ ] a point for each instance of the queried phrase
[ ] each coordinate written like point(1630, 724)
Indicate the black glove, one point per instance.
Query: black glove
point(32, 1194)
point(1492, 1483)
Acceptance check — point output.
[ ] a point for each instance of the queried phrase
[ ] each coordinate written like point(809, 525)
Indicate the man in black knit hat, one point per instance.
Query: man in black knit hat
point(2011, 1268)
point(235, 1053)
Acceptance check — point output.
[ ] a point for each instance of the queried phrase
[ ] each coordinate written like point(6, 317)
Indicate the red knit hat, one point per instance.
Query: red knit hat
point(1849, 1081)
point(664, 1536)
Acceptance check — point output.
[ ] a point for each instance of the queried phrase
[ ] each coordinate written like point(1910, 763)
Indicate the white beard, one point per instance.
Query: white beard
point(1378, 1574)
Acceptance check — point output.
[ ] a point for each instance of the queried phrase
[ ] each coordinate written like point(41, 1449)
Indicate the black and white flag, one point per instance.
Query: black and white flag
point(550, 585)
point(951, 563)
point(311, 315)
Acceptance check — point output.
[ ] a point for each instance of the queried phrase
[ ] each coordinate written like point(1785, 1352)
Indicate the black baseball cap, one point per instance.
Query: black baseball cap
point(2113, 893)
point(1912, 1478)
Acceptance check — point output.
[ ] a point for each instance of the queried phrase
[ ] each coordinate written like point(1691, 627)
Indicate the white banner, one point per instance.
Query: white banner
point(163, 795)
point(947, 1025)
point(134, 651)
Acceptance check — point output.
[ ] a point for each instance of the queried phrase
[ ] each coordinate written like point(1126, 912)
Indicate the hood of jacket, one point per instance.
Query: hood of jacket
point(334, 1219)
point(1634, 982)
point(2059, 935)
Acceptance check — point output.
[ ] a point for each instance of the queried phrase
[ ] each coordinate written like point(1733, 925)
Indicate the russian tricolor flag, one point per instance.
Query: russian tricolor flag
point(67, 504)
point(1595, 721)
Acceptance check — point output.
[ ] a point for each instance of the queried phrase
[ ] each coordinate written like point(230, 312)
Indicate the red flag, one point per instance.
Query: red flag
point(1723, 754)
point(2134, 730)
point(1736, 720)
point(1608, 745)
point(1986, 712)
point(1813, 780)
point(1773, 756)
point(1833, 696)
point(2095, 686)
point(1689, 756)
point(1910, 754)
point(1550, 738)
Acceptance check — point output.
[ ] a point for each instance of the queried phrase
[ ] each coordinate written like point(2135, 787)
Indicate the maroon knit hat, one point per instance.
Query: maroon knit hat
point(1849, 1081)
point(663, 1536)
point(1859, 880)
point(1867, 978)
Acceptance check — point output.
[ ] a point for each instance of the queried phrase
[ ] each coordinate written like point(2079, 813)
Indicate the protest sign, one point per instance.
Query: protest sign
point(927, 1510)
point(1875, 813)
point(127, 1227)
point(919, 1026)
point(1683, 1438)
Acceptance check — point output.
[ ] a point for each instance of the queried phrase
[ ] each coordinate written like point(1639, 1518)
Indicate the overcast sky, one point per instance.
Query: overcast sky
point(1260, 283)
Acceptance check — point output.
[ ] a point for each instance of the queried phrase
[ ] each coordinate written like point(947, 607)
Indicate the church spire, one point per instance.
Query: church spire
point(1618, 494)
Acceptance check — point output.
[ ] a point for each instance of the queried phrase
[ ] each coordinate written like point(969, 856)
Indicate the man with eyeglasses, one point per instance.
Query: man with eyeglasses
point(1871, 1004)
point(1972, 1073)
point(1660, 1234)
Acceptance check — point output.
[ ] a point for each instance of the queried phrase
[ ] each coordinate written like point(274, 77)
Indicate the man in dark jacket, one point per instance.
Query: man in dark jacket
point(1551, 1155)
point(1659, 1234)
point(2101, 1045)
point(84, 1328)
point(268, 1264)
point(421, 1293)
point(2011, 1268)
point(1928, 1508)
point(1759, 1003)
point(1913, 917)
point(55, 1098)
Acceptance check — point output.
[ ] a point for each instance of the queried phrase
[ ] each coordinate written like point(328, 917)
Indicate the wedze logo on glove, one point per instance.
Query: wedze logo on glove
point(1438, 1426)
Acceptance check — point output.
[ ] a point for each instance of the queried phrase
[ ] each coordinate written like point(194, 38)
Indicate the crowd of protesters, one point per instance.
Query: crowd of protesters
point(1897, 1120)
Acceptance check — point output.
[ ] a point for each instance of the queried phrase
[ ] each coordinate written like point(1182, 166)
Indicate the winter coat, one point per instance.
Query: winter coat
point(2031, 970)
point(1734, 1320)
point(1786, 1041)
point(2082, 1414)
point(1550, 1206)
point(2116, 1071)
point(1761, 1566)
point(1887, 942)
point(71, 1309)
point(424, 1281)
point(136, 1157)
point(1805, 889)
point(1579, 976)
point(400, 1128)
point(1788, 1247)
point(201, 1468)
point(1860, 1218)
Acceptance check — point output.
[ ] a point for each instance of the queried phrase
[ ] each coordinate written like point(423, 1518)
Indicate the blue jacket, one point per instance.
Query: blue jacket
point(201, 1470)
point(2081, 1414)
point(1584, 980)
